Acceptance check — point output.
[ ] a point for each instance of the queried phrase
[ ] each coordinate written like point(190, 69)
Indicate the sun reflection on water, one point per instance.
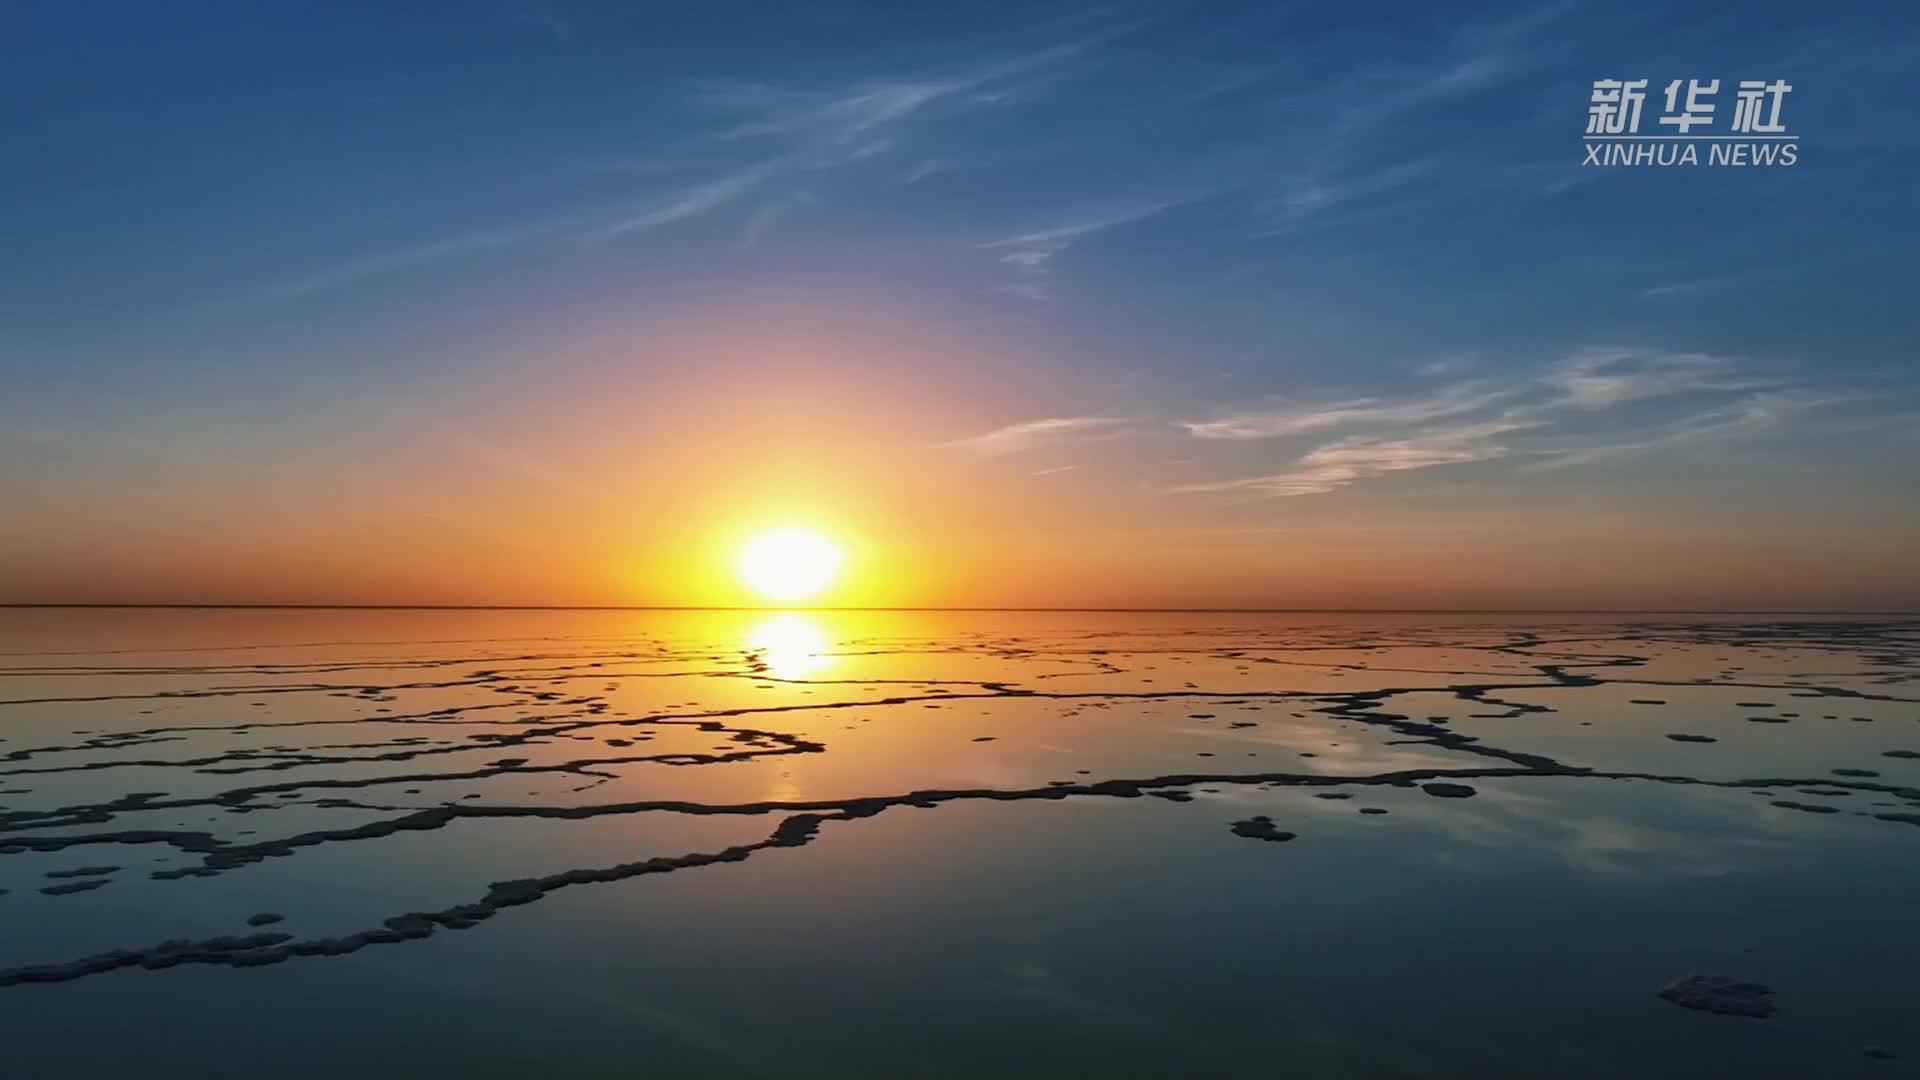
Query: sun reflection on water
point(792, 645)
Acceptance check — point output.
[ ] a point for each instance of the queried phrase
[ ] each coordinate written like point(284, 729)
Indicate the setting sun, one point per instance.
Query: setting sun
point(789, 565)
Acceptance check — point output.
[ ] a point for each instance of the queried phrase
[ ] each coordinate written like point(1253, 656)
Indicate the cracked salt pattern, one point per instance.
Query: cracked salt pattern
point(749, 838)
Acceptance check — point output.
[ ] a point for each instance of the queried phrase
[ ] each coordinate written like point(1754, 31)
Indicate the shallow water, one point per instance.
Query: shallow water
point(953, 845)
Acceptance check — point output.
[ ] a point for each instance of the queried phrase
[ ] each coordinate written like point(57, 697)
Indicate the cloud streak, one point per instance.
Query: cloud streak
point(1348, 461)
point(1470, 421)
point(779, 133)
point(1293, 420)
point(1031, 254)
point(1016, 438)
point(1754, 415)
point(1604, 378)
point(1549, 419)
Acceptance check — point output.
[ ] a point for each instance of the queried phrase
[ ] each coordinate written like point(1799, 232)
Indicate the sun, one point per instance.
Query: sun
point(788, 565)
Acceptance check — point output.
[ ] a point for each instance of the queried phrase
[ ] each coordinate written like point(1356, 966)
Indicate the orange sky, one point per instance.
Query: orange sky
point(611, 487)
point(1133, 314)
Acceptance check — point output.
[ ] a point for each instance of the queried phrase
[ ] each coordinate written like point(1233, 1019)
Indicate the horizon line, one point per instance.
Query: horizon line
point(136, 605)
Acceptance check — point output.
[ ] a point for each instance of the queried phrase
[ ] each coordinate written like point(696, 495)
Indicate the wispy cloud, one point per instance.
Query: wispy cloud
point(769, 134)
point(1309, 194)
point(843, 116)
point(1469, 421)
point(1603, 378)
point(1015, 438)
point(833, 118)
point(1476, 420)
point(1446, 365)
point(1296, 419)
point(1339, 464)
point(1711, 283)
point(1359, 137)
point(765, 217)
point(692, 201)
point(360, 268)
point(670, 205)
point(1753, 415)
point(1031, 254)
point(1055, 471)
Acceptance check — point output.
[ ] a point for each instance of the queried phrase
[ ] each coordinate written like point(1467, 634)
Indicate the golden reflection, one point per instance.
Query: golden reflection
point(791, 645)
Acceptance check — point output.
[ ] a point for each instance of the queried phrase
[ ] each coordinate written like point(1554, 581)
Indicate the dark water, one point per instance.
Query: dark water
point(916, 845)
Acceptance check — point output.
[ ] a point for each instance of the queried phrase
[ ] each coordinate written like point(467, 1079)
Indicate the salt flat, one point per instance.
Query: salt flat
point(955, 844)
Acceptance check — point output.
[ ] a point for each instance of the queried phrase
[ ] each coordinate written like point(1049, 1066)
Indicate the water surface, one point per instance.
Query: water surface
point(312, 843)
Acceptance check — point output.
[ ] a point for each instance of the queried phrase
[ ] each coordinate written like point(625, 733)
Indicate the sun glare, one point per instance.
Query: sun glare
point(791, 645)
point(789, 565)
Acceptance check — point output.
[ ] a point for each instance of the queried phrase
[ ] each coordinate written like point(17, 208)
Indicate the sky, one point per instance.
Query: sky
point(1204, 305)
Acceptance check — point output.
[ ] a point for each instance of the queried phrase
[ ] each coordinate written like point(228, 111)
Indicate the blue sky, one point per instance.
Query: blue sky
point(1228, 259)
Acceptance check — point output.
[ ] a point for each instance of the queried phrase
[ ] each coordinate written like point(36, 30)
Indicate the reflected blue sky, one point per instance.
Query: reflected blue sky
point(948, 844)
